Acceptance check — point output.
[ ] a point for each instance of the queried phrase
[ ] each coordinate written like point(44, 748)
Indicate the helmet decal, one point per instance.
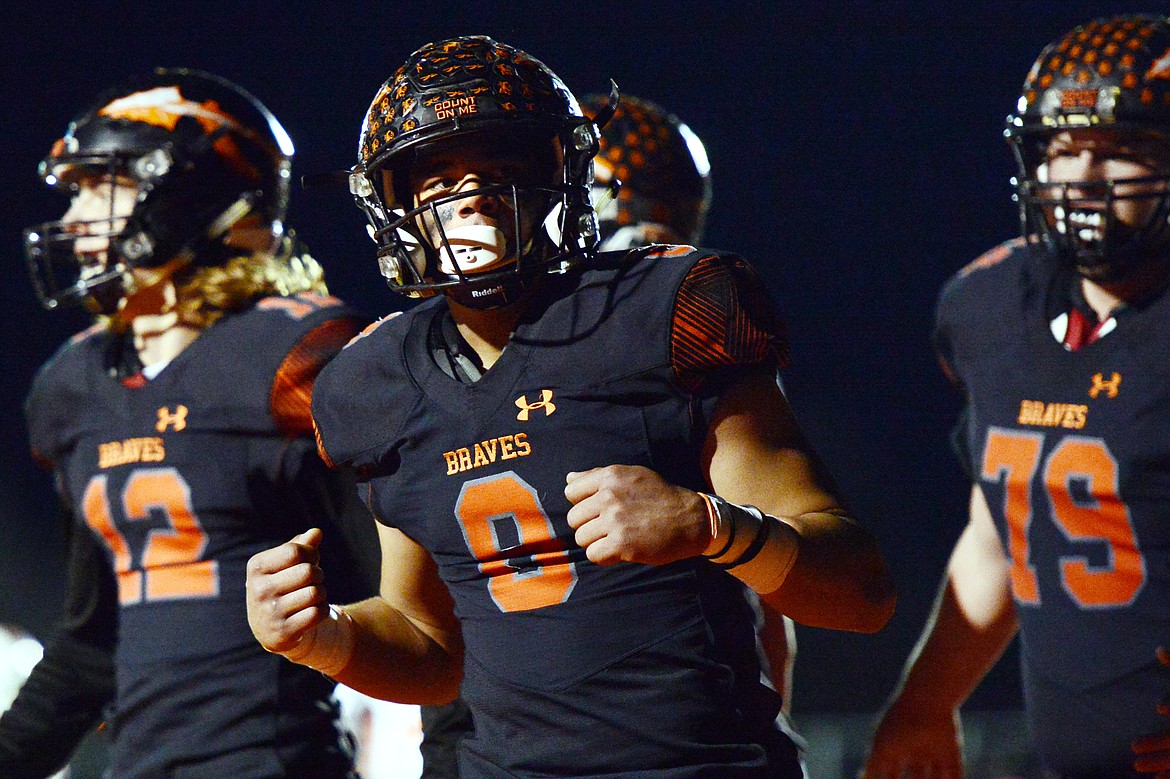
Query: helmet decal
point(1160, 68)
point(1103, 72)
point(163, 106)
point(471, 77)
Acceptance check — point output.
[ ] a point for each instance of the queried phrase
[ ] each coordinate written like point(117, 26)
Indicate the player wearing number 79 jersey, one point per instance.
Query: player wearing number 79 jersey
point(1072, 458)
point(1059, 341)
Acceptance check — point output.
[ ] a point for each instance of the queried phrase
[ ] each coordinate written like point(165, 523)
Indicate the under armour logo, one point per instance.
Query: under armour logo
point(545, 402)
point(1110, 387)
point(166, 419)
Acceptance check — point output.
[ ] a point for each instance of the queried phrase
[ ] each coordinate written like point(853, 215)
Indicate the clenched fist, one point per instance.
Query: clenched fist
point(628, 513)
point(286, 597)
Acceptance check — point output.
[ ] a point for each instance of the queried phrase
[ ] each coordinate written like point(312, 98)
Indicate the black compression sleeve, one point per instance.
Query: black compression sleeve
point(64, 696)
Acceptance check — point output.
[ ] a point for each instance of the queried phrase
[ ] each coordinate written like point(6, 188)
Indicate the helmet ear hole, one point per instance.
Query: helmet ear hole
point(151, 166)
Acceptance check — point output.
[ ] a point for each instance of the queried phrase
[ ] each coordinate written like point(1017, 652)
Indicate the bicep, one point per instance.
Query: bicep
point(410, 583)
point(978, 569)
point(755, 452)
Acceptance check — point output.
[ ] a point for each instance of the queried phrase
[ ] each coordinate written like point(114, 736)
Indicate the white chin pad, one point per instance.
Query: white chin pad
point(474, 249)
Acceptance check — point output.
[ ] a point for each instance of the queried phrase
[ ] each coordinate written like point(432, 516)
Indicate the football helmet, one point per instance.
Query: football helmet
point(1108, 73)
point(478, 91)
point(200, 154)
point(659, 170)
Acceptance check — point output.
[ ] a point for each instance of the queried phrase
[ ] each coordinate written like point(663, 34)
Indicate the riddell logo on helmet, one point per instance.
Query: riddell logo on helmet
point(459, 106)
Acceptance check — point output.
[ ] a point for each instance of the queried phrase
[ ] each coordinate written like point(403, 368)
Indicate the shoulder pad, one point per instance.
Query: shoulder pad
point(60, 387)
point(352, 411)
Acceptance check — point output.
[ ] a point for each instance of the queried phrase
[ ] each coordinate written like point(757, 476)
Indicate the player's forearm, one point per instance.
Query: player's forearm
point(396, 659)
point(957, 649)
point(973, 620)
point(839, 579)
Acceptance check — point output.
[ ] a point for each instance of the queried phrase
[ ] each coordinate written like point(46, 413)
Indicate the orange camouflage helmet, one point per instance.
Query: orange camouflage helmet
point(662, 167)
point(474, 85)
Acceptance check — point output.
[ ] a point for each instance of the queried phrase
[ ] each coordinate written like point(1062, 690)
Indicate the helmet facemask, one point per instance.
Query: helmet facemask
point(543, 223)
point(1080, 221)
point(77, 260)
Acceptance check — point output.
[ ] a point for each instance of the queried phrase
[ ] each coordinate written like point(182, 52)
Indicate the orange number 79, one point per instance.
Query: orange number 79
point(1096, 513)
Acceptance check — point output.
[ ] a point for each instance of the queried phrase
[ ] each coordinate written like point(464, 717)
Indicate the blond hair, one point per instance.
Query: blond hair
point(205, 294)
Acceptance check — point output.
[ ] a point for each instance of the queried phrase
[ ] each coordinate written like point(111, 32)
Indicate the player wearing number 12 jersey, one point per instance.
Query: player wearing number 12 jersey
point(179, 433)
point(552, 443)
point(1059, 341)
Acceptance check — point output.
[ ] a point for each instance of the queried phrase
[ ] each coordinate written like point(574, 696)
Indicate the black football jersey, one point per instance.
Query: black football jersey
point(573, 669)
point(184, 477)
point(1072, 450)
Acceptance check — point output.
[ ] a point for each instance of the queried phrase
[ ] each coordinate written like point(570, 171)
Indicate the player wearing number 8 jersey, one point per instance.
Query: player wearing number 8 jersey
point(1058, 341)
point(179, 433)
point(540, 443)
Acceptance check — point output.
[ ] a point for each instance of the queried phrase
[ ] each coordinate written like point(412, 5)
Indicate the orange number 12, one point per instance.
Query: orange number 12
point(170, 567)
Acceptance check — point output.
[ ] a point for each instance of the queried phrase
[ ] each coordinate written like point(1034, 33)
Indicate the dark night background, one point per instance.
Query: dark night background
point(857, 161)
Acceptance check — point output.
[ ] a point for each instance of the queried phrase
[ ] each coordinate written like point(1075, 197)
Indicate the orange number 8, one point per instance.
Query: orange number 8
point(506, 498)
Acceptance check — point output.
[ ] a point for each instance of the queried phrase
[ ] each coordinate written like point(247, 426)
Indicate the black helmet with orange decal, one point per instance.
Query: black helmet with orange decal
point(661, 172)
point(1110, 74)
point(202, 155)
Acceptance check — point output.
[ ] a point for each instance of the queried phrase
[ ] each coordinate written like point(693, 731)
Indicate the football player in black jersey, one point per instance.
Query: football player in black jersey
point(178, 428)
point(1059, 342)
point(559, 446)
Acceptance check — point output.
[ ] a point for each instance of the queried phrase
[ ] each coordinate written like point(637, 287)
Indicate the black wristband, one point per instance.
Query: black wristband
point(754, 547)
